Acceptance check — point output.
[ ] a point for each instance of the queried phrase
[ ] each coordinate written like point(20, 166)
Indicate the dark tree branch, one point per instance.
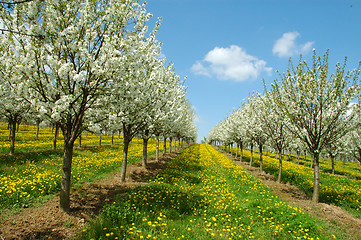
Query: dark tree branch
point(14, 3)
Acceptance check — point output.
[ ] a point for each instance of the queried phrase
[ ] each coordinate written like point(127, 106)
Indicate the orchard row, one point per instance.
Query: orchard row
point(89, 65)
point(307, 111)
point(27, 177)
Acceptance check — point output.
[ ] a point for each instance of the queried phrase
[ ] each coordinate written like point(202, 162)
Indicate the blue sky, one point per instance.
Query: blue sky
point(226, 47)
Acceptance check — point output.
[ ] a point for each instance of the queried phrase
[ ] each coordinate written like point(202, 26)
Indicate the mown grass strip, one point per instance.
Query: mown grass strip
point(337, 190)
point(203, 195)
point(351, 170)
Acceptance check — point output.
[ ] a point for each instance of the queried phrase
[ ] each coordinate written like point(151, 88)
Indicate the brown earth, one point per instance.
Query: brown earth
point(47, 221)
point(295, 197)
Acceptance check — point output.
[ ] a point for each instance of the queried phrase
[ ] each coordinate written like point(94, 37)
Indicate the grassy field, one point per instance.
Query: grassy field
point(351, 170)
point(334, 189)
point(28, 175)
point(203, 195)
point(26, 139)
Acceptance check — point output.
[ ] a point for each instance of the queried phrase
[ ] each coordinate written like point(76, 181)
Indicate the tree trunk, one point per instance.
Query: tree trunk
point(56, 135)
point(241, 155)
point(165, 145)
point(79, 141)
point(280, 167)
point(332, 157)
point(9, 135)
point(66, 175)
point(237, 151)
point(112, 138)
point(170, 144)
point(126, 141)
point(157, 150)
point(100, 139)
point(37, 129)
point(251, 160)
point(12, 137)
point(298, 157)
point(316, 183)
point(260, 158)
point(145, 151)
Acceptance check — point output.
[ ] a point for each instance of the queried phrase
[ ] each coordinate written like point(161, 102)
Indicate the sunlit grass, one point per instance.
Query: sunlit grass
point(203, 195)
point(28, 176)
point(334, 189)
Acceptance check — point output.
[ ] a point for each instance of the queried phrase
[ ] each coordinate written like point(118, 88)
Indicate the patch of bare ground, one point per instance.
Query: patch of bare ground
point(48, 221)
point(295, 197)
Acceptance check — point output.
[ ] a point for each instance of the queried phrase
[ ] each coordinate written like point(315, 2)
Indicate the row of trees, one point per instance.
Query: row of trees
point(89, 65)
point(307, 109)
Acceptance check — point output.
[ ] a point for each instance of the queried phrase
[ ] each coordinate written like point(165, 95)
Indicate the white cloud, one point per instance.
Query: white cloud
point(286, 46)
point(198, 68)
point(232, 63)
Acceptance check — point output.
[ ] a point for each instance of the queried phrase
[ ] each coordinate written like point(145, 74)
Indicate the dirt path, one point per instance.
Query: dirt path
point(295, 197)
point(49, 222)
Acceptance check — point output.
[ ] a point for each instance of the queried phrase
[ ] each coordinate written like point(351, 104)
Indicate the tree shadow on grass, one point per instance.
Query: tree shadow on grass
point(29, 156)
point(91, 198)
point(166, 198)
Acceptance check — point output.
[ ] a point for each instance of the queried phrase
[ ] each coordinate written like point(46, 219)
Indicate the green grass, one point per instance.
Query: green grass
point(334, 189)
point(203, 195)
point(348, 169)
point(25, 178)
point(34, 171)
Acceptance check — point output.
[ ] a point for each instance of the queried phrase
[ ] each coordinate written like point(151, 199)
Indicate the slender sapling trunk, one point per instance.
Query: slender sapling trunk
point(37, 129)
point(279, 179)
point(332, 157)
point(237, 150)
point(251, 160)
point(316, 183)
point(165, 145)
point(126, 141)
point(260, 158)
point(79, 141)
point(157, 149)
point(170, 144)
point(56, 134)
point(298, 157)
point(241, 155)
point(66, 174)
point(145, 149)
point(12, 137)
